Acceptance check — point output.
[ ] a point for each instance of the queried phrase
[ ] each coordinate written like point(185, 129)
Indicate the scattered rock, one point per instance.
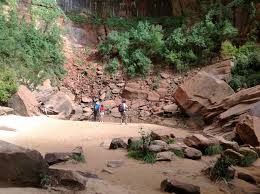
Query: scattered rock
point(157, 148)
point(71, 180)
point(116, 91)
point(233, 155)
point(86, 99)
point(109, 104)
point(153, 97)
point(118, 143)
point(132, 93)
point(192, 153)
point(162, 92)
point(164, 135)
point(246, 177)
point(165, 156)
point(247, 152)
point(239, 186)
point(20, 166)
point(55, 158)
point(6, 111)
point(107, 171)
point(227, 144)
point(68, 93)
point(172, 108)
point(248, 130)
point(199, 142)
point(164, 75)
point(24, 103)
point(115, 163)
point(174, 186)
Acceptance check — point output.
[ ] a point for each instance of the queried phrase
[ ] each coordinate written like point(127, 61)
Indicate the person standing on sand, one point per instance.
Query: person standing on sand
point(122, 108)
point(96, 110)
point(102, 113)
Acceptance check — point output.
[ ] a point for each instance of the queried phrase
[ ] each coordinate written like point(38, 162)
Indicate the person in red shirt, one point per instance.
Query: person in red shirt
point(102, 113)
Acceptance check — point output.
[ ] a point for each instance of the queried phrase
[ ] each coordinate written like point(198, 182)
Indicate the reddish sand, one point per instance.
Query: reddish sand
point(49, 135)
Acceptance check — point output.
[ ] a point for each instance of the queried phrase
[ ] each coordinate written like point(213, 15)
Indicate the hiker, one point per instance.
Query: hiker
point(102, 113)
point(122, 108)
point(96, 110)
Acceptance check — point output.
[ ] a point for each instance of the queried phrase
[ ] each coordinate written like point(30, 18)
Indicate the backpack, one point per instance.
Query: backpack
point(121, 108)
point(96, 108)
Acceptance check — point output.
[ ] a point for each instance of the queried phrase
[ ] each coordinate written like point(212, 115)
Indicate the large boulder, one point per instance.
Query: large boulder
point(248, 130)
point(58, 103)
point(71, 180)
point(24, 102)
point(199, 93)
point(57, 157)
point(133, 91)
point(20, 166)
point(192, 153)
point(199, 141)
point(178, 187)
point(239, 186)
point(222, 70)
point(117, 143)
point(229, 112)
point(165, 156)
point(153, 96)
point(164, 135)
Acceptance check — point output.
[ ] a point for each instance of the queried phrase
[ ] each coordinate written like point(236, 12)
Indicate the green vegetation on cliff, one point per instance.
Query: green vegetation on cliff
point(31, 54)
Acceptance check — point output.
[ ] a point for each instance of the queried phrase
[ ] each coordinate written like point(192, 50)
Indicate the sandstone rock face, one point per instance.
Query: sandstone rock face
point(196, 95)
point(20, 166)
point(24, 102)
point(117, 143)
point(174, 186)
point(229, 112)
point(248, 130)
point(71, 180)
point(6, 111)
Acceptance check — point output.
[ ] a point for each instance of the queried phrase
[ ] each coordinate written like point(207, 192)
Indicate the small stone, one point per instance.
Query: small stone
point(164, 75)
point(174, 186)
point(118, 143)
point(165, 156)
point(115, 163)
point(192, 153)
point(86, 99)
point(107, 171)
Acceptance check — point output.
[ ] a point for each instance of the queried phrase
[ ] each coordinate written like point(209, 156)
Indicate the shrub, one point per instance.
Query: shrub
point(112, 66)
point(246, 71)
point(213, 150)
point(220, 169)
point(139, 150)
point(248, 160)
point(135, 48)
point(8, 84)
point(78, 158)
point(34, 54)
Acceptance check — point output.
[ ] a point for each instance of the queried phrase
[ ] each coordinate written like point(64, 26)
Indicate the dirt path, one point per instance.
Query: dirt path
point(49, 135)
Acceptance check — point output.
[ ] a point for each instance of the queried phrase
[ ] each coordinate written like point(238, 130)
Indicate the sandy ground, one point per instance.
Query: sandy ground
point(134, 177)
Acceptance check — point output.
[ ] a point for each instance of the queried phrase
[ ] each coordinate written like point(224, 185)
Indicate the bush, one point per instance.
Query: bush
point(135, 48)
point(246, 71)
point(213, 150)
point(112, 66)
point(34, 54)
point(220, 169)
point(140, 150)
point(8, 84)
point(248, 160)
